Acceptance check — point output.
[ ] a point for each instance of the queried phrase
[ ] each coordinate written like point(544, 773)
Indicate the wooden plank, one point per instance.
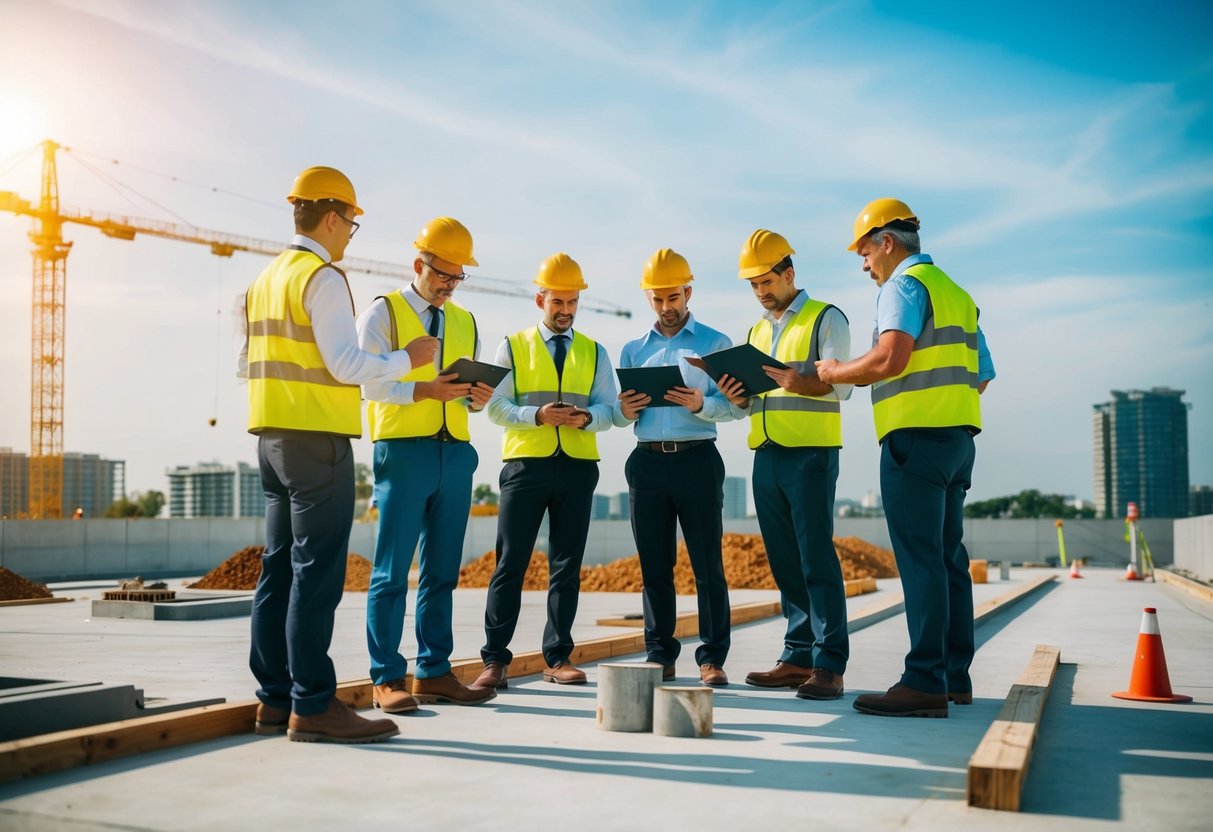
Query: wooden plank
point(1202, 591)
point(860, 586)
point(999, 766)
point(25, 602)
point(995, 605)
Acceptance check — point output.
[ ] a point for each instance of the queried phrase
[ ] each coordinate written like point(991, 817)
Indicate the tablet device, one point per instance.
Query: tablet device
point(471, 371)
point(652, 381)
point(743, 363)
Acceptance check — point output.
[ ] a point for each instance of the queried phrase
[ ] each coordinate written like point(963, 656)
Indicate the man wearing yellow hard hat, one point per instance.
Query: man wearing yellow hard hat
point(675, 475)
point(928, 366)
point(560, 393)
point(795, 433)
point(304, 365)
point(424, 461)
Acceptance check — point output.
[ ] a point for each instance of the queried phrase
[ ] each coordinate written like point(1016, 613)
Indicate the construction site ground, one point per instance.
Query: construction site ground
point(534, 757)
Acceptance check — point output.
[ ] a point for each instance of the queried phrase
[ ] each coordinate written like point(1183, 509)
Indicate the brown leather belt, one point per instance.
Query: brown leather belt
point(673, 447)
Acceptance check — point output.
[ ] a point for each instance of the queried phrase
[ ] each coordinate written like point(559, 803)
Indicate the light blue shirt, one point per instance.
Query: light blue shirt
point(902, 304)
point(503, 409)
point(677, 424)
point(833, 339)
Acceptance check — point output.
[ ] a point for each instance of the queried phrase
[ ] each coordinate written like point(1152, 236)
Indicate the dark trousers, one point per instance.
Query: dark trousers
point(423, 488)
point(564, 488)
point(794, 496)
point(667, 490)
point(309, 507)
point(924, 476)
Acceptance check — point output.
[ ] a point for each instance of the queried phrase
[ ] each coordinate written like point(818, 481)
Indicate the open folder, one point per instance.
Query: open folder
point(471, 371)
point(743, 363)
point(654, 382)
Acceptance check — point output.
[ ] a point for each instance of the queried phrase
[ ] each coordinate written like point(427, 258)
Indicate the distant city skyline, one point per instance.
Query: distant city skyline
point(1141, 453)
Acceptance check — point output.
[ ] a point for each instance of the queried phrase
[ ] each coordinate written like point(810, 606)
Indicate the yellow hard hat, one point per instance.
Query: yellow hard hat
point(448, 239)
point(761, 253)
point(319, 183)
point(877, 214)
point(666, 269)
point(560, 272)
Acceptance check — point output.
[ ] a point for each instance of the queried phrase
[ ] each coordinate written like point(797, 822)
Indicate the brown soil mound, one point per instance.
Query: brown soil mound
point(745, 567)
point(243, 569)
point(13, 587)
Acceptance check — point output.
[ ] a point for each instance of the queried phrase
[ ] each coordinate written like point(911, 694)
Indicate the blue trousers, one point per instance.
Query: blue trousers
point(424, 491)
point(794, 496)
point(308, 480)
point(924, 476)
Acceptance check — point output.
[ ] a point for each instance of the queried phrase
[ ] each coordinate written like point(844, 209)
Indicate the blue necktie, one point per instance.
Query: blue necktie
point(560, 354)
point(435, 319)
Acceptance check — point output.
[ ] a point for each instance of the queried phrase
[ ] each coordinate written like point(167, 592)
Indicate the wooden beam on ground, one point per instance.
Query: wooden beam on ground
point(1202, 591)
point(999, 766)
point(25, 602)
point(994, 606)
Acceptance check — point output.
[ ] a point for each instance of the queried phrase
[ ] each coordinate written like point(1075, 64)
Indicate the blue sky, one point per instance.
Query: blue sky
point(1060, 157)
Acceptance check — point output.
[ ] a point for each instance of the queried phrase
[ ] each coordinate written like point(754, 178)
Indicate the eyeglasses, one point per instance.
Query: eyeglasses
point(447, 276)
point(353, 225)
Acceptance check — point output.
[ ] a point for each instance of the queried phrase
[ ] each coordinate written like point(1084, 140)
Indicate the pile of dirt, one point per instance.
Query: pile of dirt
point(745, 567)
point(243, 569)
point(13, 587)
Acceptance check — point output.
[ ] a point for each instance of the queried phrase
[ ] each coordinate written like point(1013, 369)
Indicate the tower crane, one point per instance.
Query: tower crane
point(50, 252)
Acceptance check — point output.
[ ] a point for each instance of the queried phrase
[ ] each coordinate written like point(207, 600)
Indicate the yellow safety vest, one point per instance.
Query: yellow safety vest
point(536, 383)
point(428, 416)
point(288, 385)
point(790, 419)
point(938, 388)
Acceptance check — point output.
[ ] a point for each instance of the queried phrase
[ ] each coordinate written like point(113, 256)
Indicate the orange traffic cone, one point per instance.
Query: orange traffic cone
point(1131, 573)
point(1074, 573)
point(1150, 682)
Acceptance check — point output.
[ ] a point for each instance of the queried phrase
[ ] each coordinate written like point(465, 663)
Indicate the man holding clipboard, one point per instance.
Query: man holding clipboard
point(795, 432)
point(675, 475)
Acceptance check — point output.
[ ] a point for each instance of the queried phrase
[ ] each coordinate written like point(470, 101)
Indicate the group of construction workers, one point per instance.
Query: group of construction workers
point(310, 360)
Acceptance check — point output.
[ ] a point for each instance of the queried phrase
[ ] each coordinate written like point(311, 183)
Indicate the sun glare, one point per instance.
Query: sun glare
point(22, 123)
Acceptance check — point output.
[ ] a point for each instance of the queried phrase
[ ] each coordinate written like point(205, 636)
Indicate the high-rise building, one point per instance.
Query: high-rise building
point(90, 483)
point(620, 506)
point(14, 483)
point(1141, 453)
point(1200, 500)
point(734, 498)
point(211, 489)
point(600, 509)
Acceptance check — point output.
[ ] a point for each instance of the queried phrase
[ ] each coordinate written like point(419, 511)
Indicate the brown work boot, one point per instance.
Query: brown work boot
point(959, 698)
point(900, 700)
point(393, 697)
point(782, 675)
point(493, 677)
point(564, 673)
point(822, 684)
point(339, 724)
point(447, 688)
point(271, 721)
point(713, 675)
point(667, 672)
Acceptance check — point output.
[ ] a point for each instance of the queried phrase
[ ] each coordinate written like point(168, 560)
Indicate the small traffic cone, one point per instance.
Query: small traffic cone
point(1074, 573)
point(1131, 573)
point(1150, 682)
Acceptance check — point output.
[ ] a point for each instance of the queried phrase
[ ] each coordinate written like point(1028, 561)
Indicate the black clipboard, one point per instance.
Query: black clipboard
point(471, 371)
point(652, 381)
point(743, 363)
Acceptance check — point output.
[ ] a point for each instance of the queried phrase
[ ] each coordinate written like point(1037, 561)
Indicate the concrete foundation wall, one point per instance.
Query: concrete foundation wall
point(58, 550)
point(1194, 546)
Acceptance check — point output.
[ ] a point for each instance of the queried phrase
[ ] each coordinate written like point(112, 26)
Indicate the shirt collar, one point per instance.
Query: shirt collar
point(312, 246)
point(548, 334)
point(688, 328)
point(794, 307)
point(416, 301)
point(912, 260)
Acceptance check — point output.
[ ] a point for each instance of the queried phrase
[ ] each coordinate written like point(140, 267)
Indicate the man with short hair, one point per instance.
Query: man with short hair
point(928, 366)
point(795, 432)
point(303, 365)
point(675, 475)
point(560, 394)
point(424, 461)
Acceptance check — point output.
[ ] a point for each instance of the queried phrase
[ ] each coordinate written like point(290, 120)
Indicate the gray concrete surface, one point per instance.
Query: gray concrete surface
point(533, 758)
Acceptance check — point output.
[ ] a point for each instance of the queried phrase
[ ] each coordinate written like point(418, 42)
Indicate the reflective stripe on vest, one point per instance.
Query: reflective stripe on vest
point(938, 388)
point(289, 386)
point(428, 416)
point(789, 419)
point(536, 383)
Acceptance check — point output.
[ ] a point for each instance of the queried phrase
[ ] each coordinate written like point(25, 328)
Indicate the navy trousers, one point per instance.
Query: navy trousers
point(924, 476)
point(423, 488)
point(309, 508)
point(564, 488)
point(667, 490)
point(794, 496)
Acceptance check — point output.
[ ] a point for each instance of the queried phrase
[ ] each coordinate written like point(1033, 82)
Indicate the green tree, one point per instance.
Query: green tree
point(483, 494)
point(147, 504)
point(1027, 503)
point(363, 487)
point(122, 507)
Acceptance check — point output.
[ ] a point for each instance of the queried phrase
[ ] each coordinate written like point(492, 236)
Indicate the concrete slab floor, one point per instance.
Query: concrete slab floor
point(534, 756)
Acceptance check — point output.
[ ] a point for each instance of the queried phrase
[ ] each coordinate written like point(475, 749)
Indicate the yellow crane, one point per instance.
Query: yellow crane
point(50, 252)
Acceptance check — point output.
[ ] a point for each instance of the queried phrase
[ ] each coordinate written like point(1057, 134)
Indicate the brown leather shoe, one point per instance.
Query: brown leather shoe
point(900, 700)
point(339, 724)
point(667, 672)
point(713, 675)
point(564, 673)
point(492, 677)
point(271, 721)
point(394, 697)
point(782, 675)
point(447, 688)
point(822, 684)
point(961, 698)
